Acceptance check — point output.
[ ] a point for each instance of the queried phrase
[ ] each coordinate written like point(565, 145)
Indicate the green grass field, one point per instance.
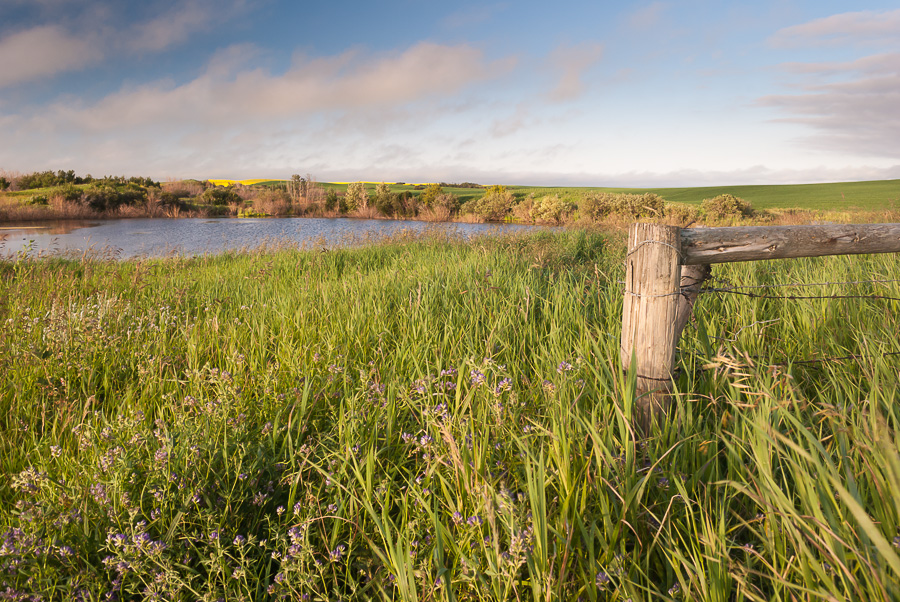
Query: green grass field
point(841, 196)
point(429, 419)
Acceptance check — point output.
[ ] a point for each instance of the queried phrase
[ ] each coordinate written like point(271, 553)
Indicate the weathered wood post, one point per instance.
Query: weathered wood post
point(652, 291)
point(666, 266)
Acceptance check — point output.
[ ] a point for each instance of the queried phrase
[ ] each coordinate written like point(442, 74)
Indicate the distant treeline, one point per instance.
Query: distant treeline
point(48, 179)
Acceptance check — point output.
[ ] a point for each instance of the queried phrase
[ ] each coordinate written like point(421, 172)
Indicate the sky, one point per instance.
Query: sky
point(568, 93)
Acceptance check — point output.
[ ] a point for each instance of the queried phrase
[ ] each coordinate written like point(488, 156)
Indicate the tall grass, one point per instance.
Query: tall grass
point(431, 419)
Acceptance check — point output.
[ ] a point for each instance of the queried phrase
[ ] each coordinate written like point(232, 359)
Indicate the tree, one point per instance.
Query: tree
point(297, 187)
point(357, 196)
point(431, 192)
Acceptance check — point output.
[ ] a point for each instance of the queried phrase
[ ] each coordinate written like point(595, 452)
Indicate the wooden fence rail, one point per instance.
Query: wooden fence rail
point(666, 265)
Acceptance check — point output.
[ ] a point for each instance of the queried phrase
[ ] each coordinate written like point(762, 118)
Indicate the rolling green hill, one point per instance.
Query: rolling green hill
point(874, 195)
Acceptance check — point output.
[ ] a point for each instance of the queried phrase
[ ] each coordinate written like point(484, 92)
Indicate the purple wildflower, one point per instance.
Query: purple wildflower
point(336, 554)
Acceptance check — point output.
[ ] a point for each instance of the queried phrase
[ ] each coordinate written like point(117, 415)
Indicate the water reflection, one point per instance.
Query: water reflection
point(155, 237)
point(47, 227)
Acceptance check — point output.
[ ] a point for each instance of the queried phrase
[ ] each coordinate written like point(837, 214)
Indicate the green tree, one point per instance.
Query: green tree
point(357, 196)
point(431, 192)
point(218, 195)
point(331, 200)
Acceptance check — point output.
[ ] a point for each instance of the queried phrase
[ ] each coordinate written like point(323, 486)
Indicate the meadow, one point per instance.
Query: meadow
point(835, 196)
point(429, 419)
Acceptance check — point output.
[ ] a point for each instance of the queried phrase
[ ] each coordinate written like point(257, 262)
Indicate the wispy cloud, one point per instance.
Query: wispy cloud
point(47, 50)
point(42, 52)
point(506, 126)
point(176, 25)
point(855, 116)
point(850, 106)
point(879, 63)
point(863, 27)
point(647, 16)
point(569, 64)
point(348, 81)
point(473, 16)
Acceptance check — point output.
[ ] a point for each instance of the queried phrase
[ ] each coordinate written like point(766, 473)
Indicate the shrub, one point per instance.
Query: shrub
point(447, 201)
point(38, 179)
point(552, 209)
point(725, 206)
point(220, 197)
point(681, 215)
point(388, 204)
point(105, 197)
point(385, 201)
point(169, 198)
point(272, 202)
point(432, 191)
point(184, 188)
point(68, 193)
point(331, 200)
point(38, 199)
point(493, 206)
point(4, 183)
point(596, 206)
point(357, 197)
point(382, 192)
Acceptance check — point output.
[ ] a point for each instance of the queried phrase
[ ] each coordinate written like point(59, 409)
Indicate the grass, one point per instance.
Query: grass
point(430, 419)
point(839, 196)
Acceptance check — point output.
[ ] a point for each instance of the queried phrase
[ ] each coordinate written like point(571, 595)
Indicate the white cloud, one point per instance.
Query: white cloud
point(863, 27)
point(42, 52)
point(570, 63)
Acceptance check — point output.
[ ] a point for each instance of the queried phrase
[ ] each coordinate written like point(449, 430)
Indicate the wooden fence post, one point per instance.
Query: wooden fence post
point(666, 266)
point(650, 309)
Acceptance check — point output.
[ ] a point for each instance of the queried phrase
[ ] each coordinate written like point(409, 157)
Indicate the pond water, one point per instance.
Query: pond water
point(155, 237)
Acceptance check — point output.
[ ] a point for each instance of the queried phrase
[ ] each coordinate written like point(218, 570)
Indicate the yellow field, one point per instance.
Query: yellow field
point(257, 181)
point(242, 182)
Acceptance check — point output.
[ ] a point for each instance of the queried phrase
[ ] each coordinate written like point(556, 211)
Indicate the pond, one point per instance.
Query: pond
point(155, 237)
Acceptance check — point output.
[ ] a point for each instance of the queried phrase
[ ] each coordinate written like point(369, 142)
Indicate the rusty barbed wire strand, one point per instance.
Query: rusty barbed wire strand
point(741, 290)
point(803, 284)
point(731, 291)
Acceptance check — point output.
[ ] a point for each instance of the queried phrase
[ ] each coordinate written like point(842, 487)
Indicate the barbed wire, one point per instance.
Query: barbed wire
point(802, 284)
point(731, 291)
point(744, 290)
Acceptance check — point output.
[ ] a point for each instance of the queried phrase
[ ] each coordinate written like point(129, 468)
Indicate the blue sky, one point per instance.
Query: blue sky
point(565, 92)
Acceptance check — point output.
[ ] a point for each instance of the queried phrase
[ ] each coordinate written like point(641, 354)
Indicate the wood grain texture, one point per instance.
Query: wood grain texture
point(652, 282)
point(754, 243)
